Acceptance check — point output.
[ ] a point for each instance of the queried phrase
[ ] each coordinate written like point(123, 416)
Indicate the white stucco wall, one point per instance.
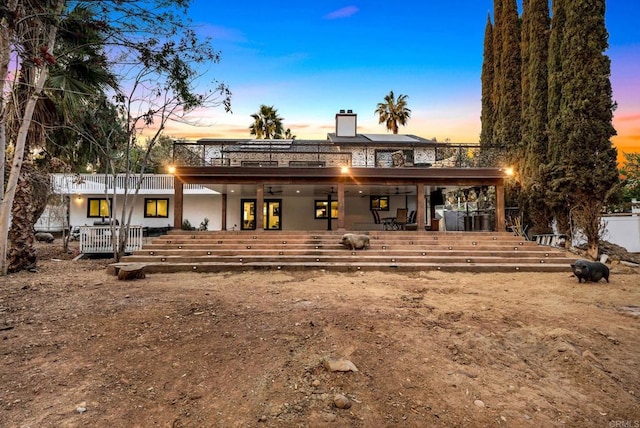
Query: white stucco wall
point(623, 231)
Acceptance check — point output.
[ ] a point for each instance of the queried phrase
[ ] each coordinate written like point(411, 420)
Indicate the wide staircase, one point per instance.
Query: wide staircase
point(404, 251)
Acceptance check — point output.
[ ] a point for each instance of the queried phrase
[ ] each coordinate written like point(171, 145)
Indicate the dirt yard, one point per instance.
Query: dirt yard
point(79, 348)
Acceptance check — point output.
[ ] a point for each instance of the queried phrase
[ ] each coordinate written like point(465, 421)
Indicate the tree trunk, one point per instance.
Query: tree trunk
point(22, 254)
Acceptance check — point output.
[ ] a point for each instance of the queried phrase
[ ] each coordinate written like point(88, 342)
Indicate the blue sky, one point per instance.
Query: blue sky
point(311, 59)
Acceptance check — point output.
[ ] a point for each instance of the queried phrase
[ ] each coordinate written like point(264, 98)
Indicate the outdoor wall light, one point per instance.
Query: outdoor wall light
point(344, 169)
point(171, 169)
point(508, 171)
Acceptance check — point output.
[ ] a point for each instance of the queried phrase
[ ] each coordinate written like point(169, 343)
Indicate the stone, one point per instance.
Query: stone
point(339, 365)
point(341, 401)
point(479, 403)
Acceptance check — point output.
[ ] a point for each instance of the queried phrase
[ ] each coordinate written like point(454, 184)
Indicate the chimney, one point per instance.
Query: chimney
point(346, 124)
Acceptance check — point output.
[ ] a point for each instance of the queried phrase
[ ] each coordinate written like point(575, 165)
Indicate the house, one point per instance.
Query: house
point(335, 183)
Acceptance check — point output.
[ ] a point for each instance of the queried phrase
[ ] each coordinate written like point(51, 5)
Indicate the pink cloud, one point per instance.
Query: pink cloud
point(345, 12)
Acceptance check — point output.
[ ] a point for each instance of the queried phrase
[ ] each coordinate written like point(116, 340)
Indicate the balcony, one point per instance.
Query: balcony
point(150, 184)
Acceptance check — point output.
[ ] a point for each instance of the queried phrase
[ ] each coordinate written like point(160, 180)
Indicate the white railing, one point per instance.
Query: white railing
point(99, 183)
point(97, 239)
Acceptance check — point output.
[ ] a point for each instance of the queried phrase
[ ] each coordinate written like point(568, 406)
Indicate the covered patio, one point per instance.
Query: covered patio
point(261, 183)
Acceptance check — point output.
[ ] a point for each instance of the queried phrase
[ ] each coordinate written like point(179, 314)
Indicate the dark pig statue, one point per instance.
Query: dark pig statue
point(590, 271)
point(354, 241)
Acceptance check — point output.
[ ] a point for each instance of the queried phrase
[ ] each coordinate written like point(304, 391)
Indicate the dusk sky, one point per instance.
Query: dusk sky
point(311, 59)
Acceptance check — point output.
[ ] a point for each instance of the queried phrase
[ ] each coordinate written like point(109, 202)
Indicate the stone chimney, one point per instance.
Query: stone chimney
point(346, 124)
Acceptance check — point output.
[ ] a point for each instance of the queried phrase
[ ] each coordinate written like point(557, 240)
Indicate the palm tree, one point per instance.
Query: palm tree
point(76, 77)
point(266, 123)
point(393, 111)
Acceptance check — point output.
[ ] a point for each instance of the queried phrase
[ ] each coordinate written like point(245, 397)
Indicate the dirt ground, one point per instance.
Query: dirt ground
point(256, 349)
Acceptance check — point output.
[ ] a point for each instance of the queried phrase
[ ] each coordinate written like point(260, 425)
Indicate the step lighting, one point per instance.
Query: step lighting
point(279, 267)
point(353, 253)
point(384, 247)
point(248, 247)
point(516, 248)
point(195, 268)
point(468, 260)
point(424, 254)
point(284, 242)
point(240, 260)
point(435, 238)
point(180, 247)
point(546, 254)
point(451, 248)
point(317, 260)
point(357, 267)
point(281, 253)
point(517, 268)
point(208, 253)
point(520, 243)
point(255, 237)
point(316, 237)
point(151, 253)
point(393, 260)
point(541, 261)
point(219, 242)
point(474, 243)
point(495, 238)
point(163, 259)
point(317, 247)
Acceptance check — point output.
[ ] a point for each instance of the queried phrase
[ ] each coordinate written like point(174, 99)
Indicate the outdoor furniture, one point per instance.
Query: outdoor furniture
point(411, 223)
point(401, 219)
point(387, 222)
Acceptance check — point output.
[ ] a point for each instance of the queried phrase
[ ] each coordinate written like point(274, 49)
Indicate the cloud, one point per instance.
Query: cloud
point(345, 12)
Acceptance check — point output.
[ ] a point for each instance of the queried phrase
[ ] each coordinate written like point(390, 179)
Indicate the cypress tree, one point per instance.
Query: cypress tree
point(535, 52)
point(510, 86)
point(586, 112)
point(486, 115)
point(496, 47)
point(556, 189)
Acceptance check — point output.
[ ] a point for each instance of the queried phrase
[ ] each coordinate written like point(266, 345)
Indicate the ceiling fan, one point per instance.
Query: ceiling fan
point(398, 192)
point(334, 192)
point(272, 192)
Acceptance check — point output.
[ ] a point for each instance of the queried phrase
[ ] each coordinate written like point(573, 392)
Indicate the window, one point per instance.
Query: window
point(156, 208)
point(321, 209)
point(258, 163)
point(307, 164)
point(98, 207)
point(379, 203)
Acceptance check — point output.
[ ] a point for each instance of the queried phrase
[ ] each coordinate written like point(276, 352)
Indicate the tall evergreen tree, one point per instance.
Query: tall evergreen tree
point(486, 115)
point(588, 159)
point(556, 183)
point(508, 122)
point(535, 52)
point(497, 68)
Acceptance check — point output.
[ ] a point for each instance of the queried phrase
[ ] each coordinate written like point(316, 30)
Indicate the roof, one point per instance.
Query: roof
point(379, 139)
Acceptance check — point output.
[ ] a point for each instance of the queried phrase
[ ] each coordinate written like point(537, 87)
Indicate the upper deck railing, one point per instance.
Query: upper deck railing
point(106, 183)
point(284, 153)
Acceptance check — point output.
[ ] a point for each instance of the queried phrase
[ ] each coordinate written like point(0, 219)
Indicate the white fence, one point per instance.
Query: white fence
point(98, 239)
point(99, 183)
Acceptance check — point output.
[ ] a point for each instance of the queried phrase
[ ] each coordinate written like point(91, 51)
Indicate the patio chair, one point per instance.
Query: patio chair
point(401, 219)
point(412, 224)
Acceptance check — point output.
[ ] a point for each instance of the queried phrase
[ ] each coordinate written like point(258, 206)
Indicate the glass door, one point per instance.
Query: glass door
point(272, 213)
point(248, 209)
